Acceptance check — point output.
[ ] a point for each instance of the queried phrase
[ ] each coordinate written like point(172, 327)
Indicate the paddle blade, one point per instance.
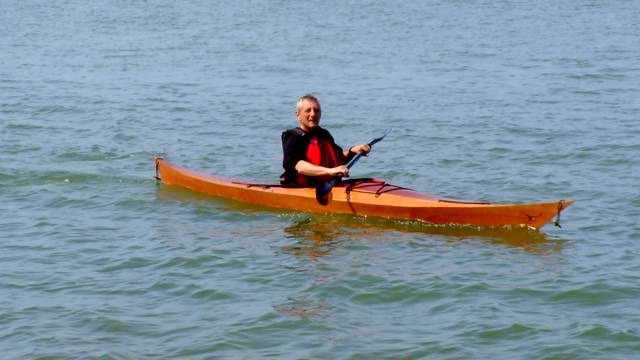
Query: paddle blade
point(323, 192)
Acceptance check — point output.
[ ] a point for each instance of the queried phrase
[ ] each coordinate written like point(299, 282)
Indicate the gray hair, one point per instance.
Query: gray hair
point(307, 97)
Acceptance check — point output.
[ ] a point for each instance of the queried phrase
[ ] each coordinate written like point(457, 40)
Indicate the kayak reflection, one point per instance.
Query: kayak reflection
point(317, 235)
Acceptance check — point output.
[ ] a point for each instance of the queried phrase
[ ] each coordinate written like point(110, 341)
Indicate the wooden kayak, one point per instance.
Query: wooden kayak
point(367, 197)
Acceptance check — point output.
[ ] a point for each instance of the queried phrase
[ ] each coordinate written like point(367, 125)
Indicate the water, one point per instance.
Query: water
point(495, 101)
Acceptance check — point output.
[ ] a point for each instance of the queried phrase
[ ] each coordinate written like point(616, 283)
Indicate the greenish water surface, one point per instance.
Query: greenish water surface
point(494, 101)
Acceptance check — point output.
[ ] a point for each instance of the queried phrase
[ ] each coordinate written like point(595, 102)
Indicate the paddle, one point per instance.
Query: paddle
point(323, 191)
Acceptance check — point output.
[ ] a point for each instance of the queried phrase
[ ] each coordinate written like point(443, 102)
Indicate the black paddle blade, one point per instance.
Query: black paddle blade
point(323, 192)
point(378, 139)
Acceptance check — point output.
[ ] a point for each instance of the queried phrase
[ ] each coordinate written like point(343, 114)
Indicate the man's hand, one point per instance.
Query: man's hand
point(362, 148)
point(341, 170)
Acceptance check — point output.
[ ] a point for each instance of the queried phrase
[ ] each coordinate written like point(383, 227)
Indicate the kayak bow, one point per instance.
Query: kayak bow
point(366, 197)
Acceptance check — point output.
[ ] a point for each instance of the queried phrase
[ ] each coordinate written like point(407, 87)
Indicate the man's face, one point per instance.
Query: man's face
point(309, 115)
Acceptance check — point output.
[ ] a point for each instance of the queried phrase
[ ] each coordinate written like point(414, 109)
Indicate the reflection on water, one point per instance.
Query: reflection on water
point(317, 235)
point(315, 238)
point(302, 307)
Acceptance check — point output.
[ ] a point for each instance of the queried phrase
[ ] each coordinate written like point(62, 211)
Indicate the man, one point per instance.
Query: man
point(310, 154)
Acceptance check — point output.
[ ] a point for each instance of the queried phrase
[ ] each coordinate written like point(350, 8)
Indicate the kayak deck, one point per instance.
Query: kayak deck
point(366, 197)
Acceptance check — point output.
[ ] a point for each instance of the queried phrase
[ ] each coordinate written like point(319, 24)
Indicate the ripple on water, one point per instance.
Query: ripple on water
point(499, 101)
point(595, 295)
point(395, 293)
point(135, 262)
point(601, 332)
point(509, 332)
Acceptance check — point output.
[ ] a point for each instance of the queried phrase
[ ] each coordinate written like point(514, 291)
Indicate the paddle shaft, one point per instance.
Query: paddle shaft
point(323, 190)
point(371, 143)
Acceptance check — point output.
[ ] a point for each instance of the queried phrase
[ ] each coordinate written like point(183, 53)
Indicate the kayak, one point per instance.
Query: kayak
point(366, 197)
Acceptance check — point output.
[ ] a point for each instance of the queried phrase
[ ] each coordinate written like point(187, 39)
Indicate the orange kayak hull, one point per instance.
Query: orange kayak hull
point(366, 197)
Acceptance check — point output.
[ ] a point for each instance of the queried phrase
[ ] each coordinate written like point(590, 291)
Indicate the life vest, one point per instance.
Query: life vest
point(319, 150)
point(322, 153)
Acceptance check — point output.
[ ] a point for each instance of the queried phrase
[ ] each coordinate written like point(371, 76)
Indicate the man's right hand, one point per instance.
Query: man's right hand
point(341, 170)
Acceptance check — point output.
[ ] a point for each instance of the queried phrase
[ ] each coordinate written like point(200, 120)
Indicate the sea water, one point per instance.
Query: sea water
point(501, 101)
